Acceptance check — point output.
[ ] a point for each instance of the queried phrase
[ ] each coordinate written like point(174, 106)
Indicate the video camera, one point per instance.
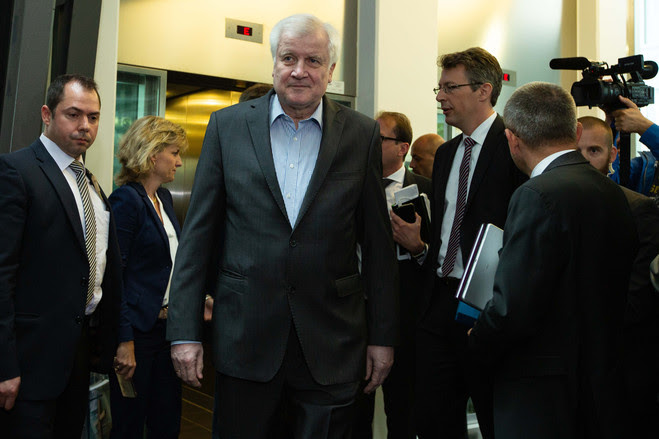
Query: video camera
point(592, 91)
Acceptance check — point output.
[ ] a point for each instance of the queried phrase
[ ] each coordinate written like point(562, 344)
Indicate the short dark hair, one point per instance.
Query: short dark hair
point(591, 122)
point(56, 88)
point(255, 91)
point(541, 114)
point(481, 67)
point(402, 125)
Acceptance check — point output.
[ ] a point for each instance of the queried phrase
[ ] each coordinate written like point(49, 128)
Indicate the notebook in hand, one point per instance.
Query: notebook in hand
point(477, 283)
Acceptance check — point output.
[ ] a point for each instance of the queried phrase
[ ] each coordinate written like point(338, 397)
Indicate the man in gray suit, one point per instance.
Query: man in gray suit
point(286, 187)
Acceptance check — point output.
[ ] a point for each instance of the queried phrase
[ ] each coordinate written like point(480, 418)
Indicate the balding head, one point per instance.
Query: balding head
point(423, 153)
point(596, 143)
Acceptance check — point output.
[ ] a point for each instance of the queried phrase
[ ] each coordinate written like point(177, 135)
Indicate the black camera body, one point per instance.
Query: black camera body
point(595, 92)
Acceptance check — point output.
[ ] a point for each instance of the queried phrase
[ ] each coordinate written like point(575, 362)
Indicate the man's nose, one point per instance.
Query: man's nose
point(299, 69)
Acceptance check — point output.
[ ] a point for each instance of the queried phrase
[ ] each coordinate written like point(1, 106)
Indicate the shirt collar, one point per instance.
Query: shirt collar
point(480, 133)
point(398, 176)
point(62, 159)
point(540, 167)
point(276, 111)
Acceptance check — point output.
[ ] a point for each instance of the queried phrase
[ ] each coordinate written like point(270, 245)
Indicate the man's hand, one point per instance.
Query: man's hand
point(188, 359)
point(407, 235)
point(208, 309)
point(124, 362)
point(9, 392)
point(630, 119)
point(379, 360)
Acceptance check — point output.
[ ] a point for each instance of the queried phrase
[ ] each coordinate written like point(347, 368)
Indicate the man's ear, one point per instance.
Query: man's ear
point(513, 141)
point(613, 154)
point(404, 147)
point(486, 91)
point(46, 115)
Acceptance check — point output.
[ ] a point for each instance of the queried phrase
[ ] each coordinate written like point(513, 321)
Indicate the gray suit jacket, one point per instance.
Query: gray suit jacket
point(271, 275)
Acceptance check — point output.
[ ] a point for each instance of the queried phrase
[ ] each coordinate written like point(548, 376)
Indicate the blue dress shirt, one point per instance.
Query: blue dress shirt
point(294, 152)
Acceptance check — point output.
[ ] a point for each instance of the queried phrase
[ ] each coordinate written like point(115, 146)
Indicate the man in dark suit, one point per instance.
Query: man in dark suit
point(554, 324)
point(641, 359)
point(473, 180)
point(60, 280)
point(286, 187)
point(398, 388)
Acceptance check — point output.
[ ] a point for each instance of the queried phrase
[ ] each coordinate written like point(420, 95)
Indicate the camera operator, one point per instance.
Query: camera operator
point(642, 168)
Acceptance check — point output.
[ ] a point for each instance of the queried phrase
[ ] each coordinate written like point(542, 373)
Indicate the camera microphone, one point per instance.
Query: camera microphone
point(574, 63)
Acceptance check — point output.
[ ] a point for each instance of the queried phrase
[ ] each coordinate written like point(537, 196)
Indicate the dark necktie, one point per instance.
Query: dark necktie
point(386, 182)
point(460, 204)
point(90, 225)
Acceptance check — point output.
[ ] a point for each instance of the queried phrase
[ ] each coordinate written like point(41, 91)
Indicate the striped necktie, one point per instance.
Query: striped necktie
point(460, 204)
point(90, 225)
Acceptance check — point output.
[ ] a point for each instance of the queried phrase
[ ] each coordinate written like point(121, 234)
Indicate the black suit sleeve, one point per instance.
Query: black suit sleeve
point(532, 258)
point(13, 208)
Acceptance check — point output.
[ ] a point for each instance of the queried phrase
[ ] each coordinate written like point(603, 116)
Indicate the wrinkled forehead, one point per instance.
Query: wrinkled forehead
point(314, 42)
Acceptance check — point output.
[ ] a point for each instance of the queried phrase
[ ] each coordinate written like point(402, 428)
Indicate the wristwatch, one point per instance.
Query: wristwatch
point(422, 253)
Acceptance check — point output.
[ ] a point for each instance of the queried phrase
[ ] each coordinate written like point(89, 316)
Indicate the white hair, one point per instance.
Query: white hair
point(301, 25)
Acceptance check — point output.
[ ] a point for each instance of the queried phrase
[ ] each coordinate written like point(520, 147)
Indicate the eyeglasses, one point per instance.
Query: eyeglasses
point(383, 138)
point(448, 89)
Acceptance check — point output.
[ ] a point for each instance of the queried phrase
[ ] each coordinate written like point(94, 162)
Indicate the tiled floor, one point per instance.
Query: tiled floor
point(197, 410)
point(197, 414)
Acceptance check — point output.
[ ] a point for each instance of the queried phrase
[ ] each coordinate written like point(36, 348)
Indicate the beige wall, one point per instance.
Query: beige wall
point(100, 155)
point(405, 61)
point(188, 36)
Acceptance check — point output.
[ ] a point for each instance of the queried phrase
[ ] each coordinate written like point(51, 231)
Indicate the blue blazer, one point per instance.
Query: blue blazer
point(144, 254)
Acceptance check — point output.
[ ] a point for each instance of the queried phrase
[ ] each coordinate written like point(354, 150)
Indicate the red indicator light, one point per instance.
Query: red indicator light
point(506, 77)
point(244, 30)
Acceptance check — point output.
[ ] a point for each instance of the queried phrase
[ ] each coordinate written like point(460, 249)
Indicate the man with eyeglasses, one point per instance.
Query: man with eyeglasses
point(398, 388)
point(473, 180)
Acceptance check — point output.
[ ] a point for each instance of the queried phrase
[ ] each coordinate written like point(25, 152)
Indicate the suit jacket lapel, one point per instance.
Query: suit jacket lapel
point(485, 157)
point(169, 210)
point(62, 188)
point(408, 179)
point(333, 119)
point(258, 123)
point(152, 211)
point(440, 180)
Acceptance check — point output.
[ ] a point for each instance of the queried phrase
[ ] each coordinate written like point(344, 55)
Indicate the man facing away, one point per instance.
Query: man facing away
point(286, 187)
point(398, 388)
point(641, 332)
point(473, 180)
point(553, 327)
point(60, 279)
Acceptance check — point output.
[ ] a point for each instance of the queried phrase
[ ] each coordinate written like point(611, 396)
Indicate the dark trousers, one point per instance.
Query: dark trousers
point(158, 401)
point(641, 375)
point(398, 396)
point(62, 417)
point(448, 372)
point(253, 410)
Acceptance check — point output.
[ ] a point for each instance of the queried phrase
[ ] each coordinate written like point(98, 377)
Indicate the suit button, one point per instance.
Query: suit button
point(83, 282)
point(292, 243)
point(78, 319)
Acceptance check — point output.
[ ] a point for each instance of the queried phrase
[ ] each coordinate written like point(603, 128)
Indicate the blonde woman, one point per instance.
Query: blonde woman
point(150, 154)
